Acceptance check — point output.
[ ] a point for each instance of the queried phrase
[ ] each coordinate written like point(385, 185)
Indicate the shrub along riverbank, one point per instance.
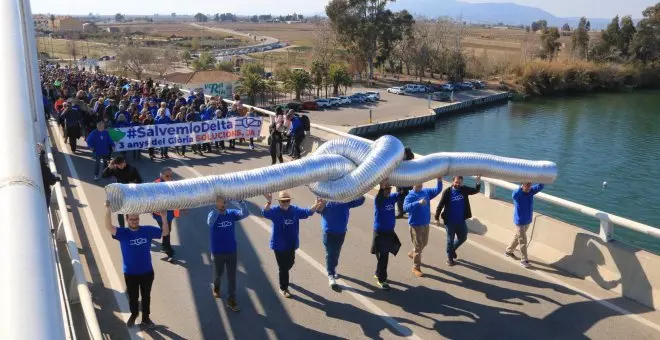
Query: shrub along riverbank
point(568, 77)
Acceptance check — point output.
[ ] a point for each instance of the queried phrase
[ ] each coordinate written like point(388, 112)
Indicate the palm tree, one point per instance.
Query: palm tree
point(338, 76)
point(318, 72)
point(52, 22)
point(298, 81)
point(272, 88)
point(250, 84)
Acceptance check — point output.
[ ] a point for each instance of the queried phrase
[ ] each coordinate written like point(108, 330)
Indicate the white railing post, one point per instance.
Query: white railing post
point(31, 305)
point(606, 230)
point(489, 190)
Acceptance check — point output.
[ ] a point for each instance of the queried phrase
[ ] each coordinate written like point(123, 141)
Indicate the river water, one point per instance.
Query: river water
point(593, 139)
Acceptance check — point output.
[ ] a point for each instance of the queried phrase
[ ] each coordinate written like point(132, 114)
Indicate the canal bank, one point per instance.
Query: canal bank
point(594, 138)
point(462, 102)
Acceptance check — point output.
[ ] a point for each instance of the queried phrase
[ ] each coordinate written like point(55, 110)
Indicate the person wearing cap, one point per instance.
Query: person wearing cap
point(334, 224)
point(284, 238)
point(222, 224)
point(418, 206)
point(385, 240)
point(523, 211)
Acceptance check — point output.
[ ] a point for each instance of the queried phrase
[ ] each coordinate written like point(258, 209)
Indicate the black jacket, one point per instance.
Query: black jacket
point(444, 206)
point(48, 177)
point(128, 174)
point(71, 117)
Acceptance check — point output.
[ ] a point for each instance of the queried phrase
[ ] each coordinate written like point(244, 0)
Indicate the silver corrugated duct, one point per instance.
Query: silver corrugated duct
point(339, 170)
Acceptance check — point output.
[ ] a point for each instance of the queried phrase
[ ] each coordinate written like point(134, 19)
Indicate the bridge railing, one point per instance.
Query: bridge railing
point(607, 220)
point(78, 290)
point(30, 298)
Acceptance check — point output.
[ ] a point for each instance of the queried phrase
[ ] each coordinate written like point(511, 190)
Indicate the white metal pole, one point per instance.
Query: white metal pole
point(30, 307)
point(38, 115)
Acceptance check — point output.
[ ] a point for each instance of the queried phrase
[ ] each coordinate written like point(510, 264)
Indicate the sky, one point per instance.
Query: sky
point(561, 8)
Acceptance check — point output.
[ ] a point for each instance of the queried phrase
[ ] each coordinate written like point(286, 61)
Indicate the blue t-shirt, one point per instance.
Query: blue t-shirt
point(223, 229)
point(384, 219)
point(136, 248)
point(523, 204)
point(286, 225)
point(334, 217)
point(457, 209)
point(420, 215)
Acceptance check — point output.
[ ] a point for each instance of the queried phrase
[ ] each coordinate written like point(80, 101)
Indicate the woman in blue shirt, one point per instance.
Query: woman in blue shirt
point(284, 237)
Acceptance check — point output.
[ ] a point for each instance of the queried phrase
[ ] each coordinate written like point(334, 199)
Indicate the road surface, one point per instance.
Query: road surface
point(485, 296)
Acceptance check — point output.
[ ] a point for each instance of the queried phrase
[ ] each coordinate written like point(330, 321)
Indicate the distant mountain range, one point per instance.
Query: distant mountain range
point(488, 13)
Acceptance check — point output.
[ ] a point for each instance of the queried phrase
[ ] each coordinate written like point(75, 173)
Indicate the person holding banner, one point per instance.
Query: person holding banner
point(205, 115)
point(162, 119)
point(252, 114)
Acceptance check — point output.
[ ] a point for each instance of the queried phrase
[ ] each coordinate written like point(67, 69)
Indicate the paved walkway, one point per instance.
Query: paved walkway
point(485, 296)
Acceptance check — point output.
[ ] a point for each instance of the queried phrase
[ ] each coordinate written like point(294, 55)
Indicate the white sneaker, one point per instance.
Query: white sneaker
point(336, 276)
point(96, 178)
point(525, 264)
point(332, 281)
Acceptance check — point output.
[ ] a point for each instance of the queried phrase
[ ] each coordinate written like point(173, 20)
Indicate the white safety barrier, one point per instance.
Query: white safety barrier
point(607, 220)
point(78, 289)
point(30, 303)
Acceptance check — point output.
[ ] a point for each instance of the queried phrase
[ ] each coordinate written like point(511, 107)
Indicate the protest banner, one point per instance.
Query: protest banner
point(166, 135)
point(218, 89)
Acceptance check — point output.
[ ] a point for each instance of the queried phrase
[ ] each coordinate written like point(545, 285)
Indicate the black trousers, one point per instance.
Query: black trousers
point(73, 133)
point(137, 285)
point(276, 153)
point(297, 144)
point(381, 266)
point(285, 260)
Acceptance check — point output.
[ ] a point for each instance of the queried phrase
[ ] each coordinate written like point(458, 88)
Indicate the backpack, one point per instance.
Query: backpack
point(307, 124)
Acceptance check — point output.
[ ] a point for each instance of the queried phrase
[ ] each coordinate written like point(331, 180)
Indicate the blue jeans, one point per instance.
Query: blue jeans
point(458, 231)
point(332, 243)
point(97, 161)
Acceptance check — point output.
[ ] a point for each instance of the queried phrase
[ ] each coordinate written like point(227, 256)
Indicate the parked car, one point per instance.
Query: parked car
point(414, 88)
point(467, 85)
point(441, 96)
point(295, 106)
point(479, 84)
point(345, 100)
point(334, 101)
point(356, 98)
point(374, 96)
point(322, 103)
point(311, 105)
point(448, 87)
point(396, 90)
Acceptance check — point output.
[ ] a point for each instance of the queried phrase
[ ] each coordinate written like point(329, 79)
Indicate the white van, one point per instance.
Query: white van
point(414, 88)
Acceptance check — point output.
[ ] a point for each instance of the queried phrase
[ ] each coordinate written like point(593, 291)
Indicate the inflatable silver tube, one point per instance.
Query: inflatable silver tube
point(339, 170)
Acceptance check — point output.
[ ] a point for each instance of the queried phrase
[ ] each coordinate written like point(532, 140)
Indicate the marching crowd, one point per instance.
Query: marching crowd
point(87, 103)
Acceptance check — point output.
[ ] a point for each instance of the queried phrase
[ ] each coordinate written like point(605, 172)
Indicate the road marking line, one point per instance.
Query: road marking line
point(548, 277)
point(404, 331)
point(106, 260)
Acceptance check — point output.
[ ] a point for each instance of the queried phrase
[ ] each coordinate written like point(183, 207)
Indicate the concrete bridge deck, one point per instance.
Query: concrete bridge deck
point(485, 296)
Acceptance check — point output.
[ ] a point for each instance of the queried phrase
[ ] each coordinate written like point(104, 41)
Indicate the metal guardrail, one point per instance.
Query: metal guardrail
point(78, 289)
point(607, 220)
